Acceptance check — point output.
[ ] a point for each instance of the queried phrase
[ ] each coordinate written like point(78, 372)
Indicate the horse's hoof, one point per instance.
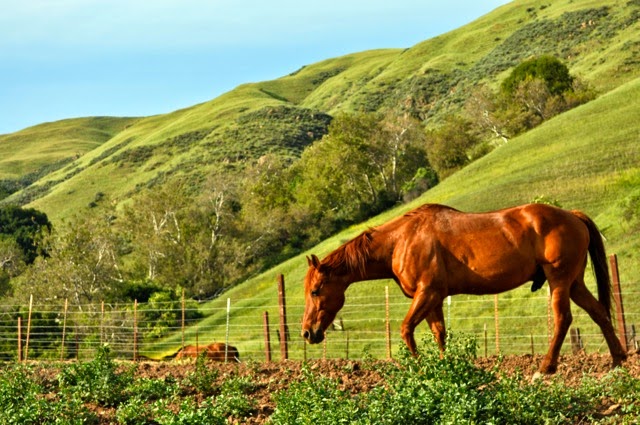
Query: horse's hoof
point(618, 360)
point(536, 377)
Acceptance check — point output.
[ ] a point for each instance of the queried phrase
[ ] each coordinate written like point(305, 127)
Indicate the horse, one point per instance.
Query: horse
point(214, 351)
point(435, 251)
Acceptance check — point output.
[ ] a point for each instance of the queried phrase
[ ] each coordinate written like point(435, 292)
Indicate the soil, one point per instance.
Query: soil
point(356, 377)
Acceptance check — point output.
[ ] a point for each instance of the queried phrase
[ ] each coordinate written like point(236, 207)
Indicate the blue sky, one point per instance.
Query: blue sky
point(77, 58)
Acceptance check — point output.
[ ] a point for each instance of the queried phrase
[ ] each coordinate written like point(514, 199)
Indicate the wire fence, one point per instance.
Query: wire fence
point(516, 322)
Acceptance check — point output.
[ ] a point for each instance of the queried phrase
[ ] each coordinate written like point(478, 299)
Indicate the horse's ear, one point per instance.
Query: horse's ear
point(313, 261)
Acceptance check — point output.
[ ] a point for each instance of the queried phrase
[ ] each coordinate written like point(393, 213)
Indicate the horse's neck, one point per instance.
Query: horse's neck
point(378, 264)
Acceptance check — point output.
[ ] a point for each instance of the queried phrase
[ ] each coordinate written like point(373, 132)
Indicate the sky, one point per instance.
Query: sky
point(79, 58)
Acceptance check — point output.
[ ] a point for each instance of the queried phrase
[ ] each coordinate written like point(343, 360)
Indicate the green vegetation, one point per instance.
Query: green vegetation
point(428, 389)
point(586, 159)
point(101, 382)
point(209, 197)
point(450, 389)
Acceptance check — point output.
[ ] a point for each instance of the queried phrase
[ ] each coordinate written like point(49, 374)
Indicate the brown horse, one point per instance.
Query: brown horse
point(435, 251)
point(215, 351)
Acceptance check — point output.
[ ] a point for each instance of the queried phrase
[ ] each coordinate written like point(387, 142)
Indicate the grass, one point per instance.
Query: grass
point(28, 150)
point(566, 159)
point(583, 159)
point(360, 81)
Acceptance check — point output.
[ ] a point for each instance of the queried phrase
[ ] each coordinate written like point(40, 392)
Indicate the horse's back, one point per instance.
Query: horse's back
point(487, 252)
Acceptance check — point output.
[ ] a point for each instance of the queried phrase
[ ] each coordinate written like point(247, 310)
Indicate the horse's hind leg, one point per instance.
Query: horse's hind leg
point(584, 299)
point(561, 305)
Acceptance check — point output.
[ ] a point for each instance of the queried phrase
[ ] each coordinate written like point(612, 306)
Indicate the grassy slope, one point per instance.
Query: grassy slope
point(99, 174)
point(553, 160)
point(568, 159)
point(28, 150)
point(339, 84)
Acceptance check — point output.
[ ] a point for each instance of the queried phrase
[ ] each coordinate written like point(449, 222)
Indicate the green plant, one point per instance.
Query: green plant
point(315, 400)
point(22, 401)
point(96, 381)
point(203, 379)
point(187, 412)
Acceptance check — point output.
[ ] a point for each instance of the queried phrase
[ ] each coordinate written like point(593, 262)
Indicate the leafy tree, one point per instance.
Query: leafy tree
point(11, 262)
point(178, 240)
point(448, 145)
point(360, 167)
point(82, 264)
point(535, 91)
point(270, 216)
point(24, 225)
point(548, 69)
point(485, 111)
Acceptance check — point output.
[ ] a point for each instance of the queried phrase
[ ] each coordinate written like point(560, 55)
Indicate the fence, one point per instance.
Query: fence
point(368, 325)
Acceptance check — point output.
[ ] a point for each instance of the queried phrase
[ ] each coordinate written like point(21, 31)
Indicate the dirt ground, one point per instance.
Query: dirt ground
point(356, 377)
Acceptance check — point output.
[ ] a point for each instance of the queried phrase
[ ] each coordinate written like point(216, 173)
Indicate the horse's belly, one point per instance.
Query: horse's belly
point(492, 277)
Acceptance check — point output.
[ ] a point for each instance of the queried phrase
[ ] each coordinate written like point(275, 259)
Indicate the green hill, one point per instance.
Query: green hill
point(566, 160)
point(586, 158)
point(598, 40)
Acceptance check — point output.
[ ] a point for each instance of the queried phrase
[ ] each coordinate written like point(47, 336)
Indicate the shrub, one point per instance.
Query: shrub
point(96, 381)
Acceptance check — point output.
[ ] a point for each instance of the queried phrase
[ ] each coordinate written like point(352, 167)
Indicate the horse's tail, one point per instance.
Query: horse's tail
point(598, 260)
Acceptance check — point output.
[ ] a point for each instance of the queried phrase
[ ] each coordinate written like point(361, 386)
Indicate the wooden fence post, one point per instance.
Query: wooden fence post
point(576, 340)
point(183, 317)
point(486, 341)
point(617, 296)
point(267, 338)
point(102, 323)
point(347, 346)
point(284, 333)
point(324, 348)
point(77, 342)
point(226, 334)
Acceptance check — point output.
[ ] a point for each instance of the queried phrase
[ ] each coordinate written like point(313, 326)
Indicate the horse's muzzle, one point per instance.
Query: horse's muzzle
point(313, 337)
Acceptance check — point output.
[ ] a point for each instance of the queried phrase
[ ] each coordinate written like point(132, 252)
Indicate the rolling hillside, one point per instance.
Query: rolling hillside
point(598, 39)
point(564, 160)
point(586, 158)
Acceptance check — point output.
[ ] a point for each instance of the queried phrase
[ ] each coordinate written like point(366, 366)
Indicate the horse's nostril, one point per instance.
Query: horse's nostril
point(306, 334)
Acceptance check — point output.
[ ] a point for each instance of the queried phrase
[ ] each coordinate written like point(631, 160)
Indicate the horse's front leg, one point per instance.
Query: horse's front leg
point(425, 305)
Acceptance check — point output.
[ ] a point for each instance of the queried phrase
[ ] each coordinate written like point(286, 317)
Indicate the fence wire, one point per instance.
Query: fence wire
point(142, 330)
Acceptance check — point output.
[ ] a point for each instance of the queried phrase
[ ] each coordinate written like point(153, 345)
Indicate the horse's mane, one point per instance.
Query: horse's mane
point(352, 256)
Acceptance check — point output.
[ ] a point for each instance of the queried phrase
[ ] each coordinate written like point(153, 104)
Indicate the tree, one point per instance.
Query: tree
point(24, 225)
point(534, 91)
point(178, 240)
point(448, 145)
point(360, 167)
point(81, 263)
point(548, 69)
point(485, 111)
point(11, 262)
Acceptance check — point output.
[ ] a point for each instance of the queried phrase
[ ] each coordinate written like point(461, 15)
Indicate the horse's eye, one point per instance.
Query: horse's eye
point(315, 292)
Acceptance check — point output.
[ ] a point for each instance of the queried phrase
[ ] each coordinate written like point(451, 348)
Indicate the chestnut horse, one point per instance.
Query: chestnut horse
point(435, 251)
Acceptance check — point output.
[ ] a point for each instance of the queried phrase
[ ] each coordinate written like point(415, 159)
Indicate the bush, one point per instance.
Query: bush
point(549, 69)
point(96, 381)
point(450, 388)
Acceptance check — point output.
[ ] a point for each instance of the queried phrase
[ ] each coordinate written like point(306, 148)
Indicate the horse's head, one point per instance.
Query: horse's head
point(324, 297)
